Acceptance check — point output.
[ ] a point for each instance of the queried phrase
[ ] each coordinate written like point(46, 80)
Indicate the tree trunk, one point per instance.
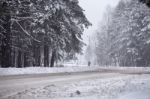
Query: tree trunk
point(16, 58)
point(19, 59)
point(22, 59)
point(37, 55)
point(13, 57)
point(53, 57)
point(25, 60)
point(46, 56)
point(6, 40)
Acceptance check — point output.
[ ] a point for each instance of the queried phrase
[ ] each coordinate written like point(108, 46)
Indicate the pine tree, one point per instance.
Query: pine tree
point(41, 29)
point(5, 18)
point(128, 34)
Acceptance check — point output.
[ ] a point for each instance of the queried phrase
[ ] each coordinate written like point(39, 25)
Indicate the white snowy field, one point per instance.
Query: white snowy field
point(106, 88)
point(39, 70)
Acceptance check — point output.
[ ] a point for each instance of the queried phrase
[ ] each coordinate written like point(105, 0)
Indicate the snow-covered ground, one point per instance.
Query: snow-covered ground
point(106, 88)
point(67, 68)
point(37, 70)
point(140, 94)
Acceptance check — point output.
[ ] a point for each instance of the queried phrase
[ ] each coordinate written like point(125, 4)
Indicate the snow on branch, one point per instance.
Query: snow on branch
point(23, 18)
point(26, 32)
point(2, 27)
point(1, 21)
point(3, 31)
point(2, 34)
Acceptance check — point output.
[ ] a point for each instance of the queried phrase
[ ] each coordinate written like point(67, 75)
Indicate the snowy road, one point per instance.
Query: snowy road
point(10, 85)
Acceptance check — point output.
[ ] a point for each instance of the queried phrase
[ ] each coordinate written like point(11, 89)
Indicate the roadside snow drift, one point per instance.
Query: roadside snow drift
point(106, 88)
point(37, 70)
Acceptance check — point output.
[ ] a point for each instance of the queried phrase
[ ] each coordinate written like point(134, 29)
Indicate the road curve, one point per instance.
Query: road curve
point(10, 85)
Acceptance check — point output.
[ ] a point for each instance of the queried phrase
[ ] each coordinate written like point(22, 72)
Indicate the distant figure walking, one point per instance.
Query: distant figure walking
point(89, 63)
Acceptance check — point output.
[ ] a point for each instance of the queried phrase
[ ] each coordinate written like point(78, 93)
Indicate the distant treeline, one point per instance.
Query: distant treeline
point(124, 35)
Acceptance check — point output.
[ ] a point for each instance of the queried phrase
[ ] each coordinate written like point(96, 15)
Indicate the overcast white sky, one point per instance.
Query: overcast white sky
point(94, 10)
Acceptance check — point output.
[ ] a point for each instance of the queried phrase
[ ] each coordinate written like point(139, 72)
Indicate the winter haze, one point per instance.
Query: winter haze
point(94, 10)
point(74, 49)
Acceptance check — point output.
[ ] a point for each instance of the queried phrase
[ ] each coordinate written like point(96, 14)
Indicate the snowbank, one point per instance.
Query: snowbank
point(37, 70)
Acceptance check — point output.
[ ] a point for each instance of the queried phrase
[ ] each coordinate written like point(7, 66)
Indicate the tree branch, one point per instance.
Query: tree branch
point(27, 32)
